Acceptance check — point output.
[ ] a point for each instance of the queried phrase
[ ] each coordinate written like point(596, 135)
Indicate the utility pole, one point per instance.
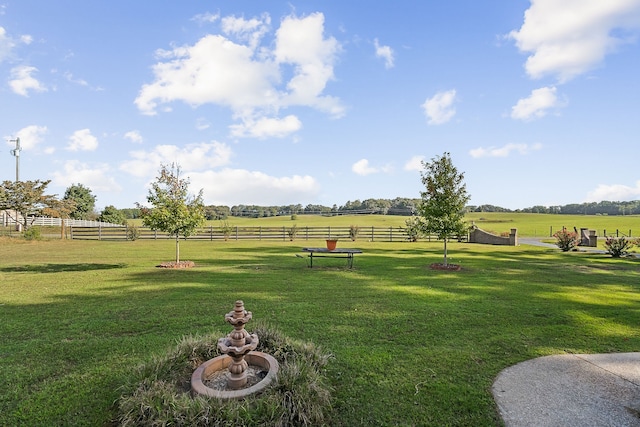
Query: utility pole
point(16, 153)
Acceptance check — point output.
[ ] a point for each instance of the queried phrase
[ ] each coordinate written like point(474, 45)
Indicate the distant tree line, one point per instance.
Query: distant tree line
point(400, 206)
point(591, 208)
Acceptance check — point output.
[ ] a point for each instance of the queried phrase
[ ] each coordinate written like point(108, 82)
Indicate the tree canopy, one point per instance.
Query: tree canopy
point(26, 198)
point(443, 202)
point(83, 200)
point(174, 211)
point(112, 215)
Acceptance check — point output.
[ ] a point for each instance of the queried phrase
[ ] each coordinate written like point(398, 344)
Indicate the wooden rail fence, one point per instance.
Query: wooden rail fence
point(380, 234)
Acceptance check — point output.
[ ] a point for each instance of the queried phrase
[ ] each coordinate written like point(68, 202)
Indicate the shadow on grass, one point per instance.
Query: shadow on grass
point(59, 268)
point(461, 329)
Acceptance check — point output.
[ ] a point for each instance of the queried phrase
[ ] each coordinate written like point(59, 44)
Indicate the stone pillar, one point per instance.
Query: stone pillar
point(593, 239)
point(584, 237)
point(513, 237)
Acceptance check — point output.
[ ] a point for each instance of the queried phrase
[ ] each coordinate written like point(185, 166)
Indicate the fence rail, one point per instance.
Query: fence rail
point(381, 234)
point(45, 221)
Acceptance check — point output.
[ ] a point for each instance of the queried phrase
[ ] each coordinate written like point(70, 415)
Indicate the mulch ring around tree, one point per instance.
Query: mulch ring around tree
point(173, 264)
point(445, 267)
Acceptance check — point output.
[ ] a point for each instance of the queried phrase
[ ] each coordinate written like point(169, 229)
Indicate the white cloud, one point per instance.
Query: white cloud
point(247, 76)
point(439, 108)
point(569, 37)
point(97, 177)
point(30, 137)
point(267, 127)
point(615, 193)
point(362, 167)
point(82, 140)
point(300, 42)
point(214, 70)
point(248, 30)
point(237, 186)
point(414, 163)
point(536, 105)
point(8, 43)
point(22, 81)
point(384, 52)
point(202, 123)
point(208, 17)
point(504, 151)
point(191, 157)
point(70, 78)
point(134, 136)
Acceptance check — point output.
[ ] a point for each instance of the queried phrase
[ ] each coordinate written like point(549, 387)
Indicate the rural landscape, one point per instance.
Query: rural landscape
point(275, 214)
point(409, 345)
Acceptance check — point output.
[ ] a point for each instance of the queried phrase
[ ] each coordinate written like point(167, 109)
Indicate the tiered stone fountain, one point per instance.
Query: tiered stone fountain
point(241, 370)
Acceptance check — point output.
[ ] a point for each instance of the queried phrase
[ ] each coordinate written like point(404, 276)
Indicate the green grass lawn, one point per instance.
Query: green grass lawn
point(411, 346)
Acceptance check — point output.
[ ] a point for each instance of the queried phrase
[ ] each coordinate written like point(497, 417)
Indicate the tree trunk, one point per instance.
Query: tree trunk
point(177, 249)
point(445, 251)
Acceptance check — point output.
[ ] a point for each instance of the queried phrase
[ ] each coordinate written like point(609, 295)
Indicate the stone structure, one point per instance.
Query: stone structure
point(237, 344)
point(238, 356)
point(588, 238)
point(477, 235)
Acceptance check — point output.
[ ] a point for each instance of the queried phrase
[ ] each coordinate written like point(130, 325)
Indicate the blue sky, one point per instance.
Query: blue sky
point(321, 102)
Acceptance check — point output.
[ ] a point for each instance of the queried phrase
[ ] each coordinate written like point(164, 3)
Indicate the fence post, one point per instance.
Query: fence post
point(100, 232)
point(236, 232)
point(372, 230)
point(391, 234)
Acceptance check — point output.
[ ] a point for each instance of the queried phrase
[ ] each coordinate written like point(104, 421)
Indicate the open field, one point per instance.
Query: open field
point(532, 225)
point(411, 346)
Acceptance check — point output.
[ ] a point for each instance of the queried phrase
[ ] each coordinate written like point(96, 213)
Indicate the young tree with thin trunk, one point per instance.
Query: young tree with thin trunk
point(444, 199)
point(174, 211)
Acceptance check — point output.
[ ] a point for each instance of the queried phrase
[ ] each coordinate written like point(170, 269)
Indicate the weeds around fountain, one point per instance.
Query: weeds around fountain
point(159, 392)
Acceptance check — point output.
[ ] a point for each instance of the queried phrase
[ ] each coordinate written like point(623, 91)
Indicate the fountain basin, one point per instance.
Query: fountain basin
point(258, 359)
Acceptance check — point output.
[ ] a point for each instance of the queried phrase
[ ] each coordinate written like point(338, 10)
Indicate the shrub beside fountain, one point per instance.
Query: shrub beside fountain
point(160, 391)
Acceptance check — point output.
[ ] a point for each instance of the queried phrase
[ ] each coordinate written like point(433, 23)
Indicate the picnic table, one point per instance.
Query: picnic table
point(336, 253)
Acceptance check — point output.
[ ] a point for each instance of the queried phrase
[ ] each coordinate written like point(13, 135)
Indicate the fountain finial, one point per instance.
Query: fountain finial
point(237, 344)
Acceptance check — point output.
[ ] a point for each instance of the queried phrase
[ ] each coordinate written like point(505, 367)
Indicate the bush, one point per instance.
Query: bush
point(618, 246)
point(133, 232)
point(159, 392)
point(32, 233)
point(226, 229)
point(353, 232)
point(413, 228)
point(293, 232)
point(566, 240)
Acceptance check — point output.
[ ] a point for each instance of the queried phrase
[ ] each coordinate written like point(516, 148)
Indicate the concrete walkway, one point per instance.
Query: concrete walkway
point(571, 390)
